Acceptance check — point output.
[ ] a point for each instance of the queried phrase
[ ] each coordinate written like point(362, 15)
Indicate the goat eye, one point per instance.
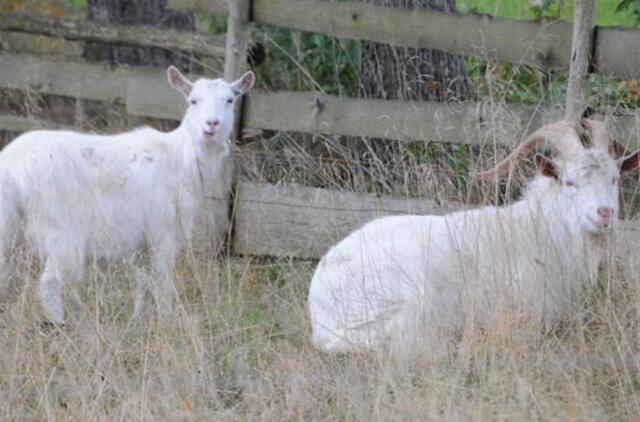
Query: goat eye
point(193, 101)
point(230, 100)
point(570, 183)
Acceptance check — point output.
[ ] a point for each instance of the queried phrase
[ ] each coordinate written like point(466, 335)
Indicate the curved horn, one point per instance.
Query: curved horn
point(562, 137)
point(603, 140)
point(599, 134)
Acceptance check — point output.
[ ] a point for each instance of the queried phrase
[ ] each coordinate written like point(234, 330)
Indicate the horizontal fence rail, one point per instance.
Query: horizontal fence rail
point(466, 122)
point(60, 77)
point(145, 92)
point(303, 222)
point(617, 52)
point(23, 43)
point(23, 124)
point(143, 36)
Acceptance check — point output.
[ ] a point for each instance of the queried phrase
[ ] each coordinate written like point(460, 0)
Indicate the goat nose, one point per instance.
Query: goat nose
point(213, 122)
point(605, 212)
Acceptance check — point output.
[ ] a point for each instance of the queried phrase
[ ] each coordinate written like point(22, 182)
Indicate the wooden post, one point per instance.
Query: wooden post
point(237, 49)
point(219, 209)
point(581, 50)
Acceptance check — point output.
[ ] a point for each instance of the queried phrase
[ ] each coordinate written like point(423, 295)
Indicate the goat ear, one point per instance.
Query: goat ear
point(545, 166)
point(630, 162)
point(244, 84)
point(179, 82)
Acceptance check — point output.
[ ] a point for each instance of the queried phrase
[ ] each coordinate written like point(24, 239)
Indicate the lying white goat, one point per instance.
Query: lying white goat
point(78, 198)
point(397, 278)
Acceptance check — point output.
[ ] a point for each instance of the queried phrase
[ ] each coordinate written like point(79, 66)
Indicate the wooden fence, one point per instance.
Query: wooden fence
point(544, 43)
point(301, 221)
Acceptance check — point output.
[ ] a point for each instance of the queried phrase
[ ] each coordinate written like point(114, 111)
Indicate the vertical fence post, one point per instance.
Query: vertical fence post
point(235, 63)
point(581, 51)
point(236, 50)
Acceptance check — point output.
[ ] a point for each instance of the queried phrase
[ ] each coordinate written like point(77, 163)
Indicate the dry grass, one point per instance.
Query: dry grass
point(238, 345)
point(238, 349)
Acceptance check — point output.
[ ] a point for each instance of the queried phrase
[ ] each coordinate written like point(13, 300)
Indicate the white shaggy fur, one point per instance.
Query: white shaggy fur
point(398, 278)
point(77, 198)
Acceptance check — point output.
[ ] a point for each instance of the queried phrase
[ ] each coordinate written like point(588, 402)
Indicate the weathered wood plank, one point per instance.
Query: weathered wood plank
point(61, 77)
point(145, 92)
point(539, 43)
point(618, 52)
point(71, 29)
point(19, 42)
point(213, 7)
point(150, 95)
point(23, 124)
point(470, 122)
point(304, 222)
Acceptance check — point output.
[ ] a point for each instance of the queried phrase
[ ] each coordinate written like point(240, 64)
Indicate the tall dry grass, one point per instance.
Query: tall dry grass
point(237, 348)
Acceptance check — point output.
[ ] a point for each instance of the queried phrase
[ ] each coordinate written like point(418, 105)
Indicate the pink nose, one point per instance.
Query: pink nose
point(605, 212)
point(213, 122)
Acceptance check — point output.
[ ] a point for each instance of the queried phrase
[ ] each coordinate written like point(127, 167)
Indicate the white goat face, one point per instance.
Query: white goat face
point(587, 178)
point(589, 182)
point(211, 103)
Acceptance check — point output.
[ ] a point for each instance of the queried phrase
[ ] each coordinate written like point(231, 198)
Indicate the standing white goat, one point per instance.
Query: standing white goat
point(398, 278)
point(78, 198)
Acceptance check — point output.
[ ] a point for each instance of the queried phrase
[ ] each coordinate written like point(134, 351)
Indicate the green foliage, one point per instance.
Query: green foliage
point(303, 61)
point(515, 83)
point(307, 61)
point(212, 24)
point(633, 5)
point(77, 4)
point(544, 8)
point(608, 12)
point(517, 9)
point(605, 90)
point(525, 84)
